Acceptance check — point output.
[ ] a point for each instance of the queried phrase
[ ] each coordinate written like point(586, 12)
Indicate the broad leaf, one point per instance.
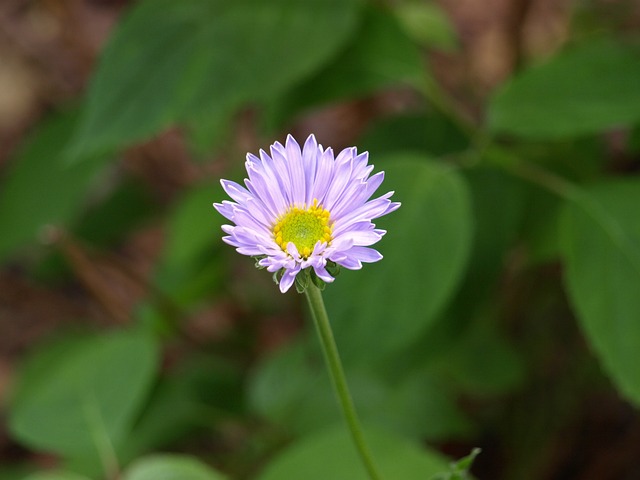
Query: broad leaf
point(583, 90)
point(415, 405)
point(331, 455)
point(602, 252)
point(171, 467)
point(196, 60)
point(380, 54)
point(40, 188)
point(55, 476)
point(384, 307)
point(86, 391)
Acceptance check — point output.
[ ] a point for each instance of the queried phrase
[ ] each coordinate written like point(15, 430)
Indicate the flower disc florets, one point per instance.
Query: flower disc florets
point(306, 208)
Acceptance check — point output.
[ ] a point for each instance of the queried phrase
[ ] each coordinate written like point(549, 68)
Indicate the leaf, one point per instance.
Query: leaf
point(195, 61)
point(55, 476)
point(85, 389)
point(601, 248)
point(383, 308)
point(482, 362)
point(194, 226)
point(379, 54)
point(189, 267)
point(331, 455)
point(583, 90)
point(303, 402)
point(127, 206)
point(432, 134)
point(184, 401)
point(40, 189)
point(428, 24)
point(171, 467)
point(459, 470)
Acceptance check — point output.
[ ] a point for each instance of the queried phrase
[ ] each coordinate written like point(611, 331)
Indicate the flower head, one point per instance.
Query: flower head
point(304, 210)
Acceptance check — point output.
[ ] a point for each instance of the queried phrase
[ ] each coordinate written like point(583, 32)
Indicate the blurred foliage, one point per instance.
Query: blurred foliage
point(519, 215)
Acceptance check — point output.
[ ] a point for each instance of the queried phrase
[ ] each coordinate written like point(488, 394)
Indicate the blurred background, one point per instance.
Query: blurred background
point(503, 316)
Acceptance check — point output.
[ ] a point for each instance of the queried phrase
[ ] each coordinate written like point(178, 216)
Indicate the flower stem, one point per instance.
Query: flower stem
point(323, 327)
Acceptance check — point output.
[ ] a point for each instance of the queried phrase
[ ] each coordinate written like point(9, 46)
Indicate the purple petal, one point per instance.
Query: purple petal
point(288, 278)
point(296, 171)
point(322, 274)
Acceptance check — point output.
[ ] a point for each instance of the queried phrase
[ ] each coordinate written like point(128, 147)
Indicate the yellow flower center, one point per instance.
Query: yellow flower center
point(304, 227)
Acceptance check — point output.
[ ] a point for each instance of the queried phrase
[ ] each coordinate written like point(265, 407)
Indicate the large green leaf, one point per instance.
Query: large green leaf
point(415, 405)
point(195, 60)
point(602, 252)
point(84, 392)
point(331, 455)
point(171, 467)
point(40, 189)
point(193, 395)
point(583, 90)
point(55, 476)
point(384, 307)
point(380, 54)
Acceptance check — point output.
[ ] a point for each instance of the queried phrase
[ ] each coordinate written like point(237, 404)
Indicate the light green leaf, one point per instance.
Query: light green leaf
point(85, 391)
point(40, 189)
point(601, 234)
point(331, 455)
point(583, 90)
point(427, 23)
point(383, 308)
point(171, 467)
point(194, 61)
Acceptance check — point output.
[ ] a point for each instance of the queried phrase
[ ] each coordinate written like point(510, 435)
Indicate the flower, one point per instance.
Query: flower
point(306, 209)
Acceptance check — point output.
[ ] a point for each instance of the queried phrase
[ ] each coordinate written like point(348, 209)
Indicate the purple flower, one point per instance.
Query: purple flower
point(306, 208)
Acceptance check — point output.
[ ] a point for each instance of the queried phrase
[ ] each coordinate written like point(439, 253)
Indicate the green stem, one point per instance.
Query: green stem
point(321, 320)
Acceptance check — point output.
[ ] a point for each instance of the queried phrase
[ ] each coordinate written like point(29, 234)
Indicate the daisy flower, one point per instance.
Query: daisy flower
point(306, 210)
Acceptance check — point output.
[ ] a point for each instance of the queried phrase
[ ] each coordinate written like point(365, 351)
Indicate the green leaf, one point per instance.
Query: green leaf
point(171, 467)
point(40, 189)
point(459, 470)
point(83, 391)
point(189, 266)
point(55, 476)
point(191, 397)
point(331, 455)
point(482, 361)
point(303, 402)
point(432, 134)
point(583, 90)
point(428, 24)
point(425, 250)
point(601, 234)
point(194, 225)
point(380, 54)
point(195, 61)
point(126, 207)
